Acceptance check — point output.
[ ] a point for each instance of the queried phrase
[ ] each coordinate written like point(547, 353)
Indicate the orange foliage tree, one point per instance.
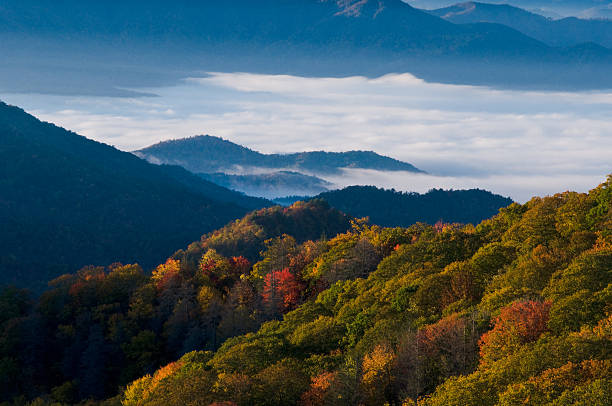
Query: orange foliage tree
point(518, 323)
point(320, 388)
point(166, 273)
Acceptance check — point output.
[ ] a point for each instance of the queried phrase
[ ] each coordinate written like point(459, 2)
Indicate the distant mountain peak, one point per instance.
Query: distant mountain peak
point(481, 11)
point(563, 33)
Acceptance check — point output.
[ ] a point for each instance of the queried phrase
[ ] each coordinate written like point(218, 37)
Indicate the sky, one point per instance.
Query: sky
point(516, 143)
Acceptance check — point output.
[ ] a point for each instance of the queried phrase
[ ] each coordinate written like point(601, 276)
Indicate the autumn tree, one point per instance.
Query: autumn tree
point(377, 375)
point(321, 391)
point(519, 323)
point(166, 274)
point(434, 353)
point(282, 291)
point(277, 255)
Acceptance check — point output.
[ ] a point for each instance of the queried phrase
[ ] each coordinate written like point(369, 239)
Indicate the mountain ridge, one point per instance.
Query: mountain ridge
point(565, 32)
point(210, 154)
point(77, 41)
point(277, 309)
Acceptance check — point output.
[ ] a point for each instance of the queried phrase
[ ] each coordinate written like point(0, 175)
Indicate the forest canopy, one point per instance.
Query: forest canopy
point(276, 309)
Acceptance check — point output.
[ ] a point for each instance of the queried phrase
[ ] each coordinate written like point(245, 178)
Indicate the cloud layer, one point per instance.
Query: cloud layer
point(516, 143)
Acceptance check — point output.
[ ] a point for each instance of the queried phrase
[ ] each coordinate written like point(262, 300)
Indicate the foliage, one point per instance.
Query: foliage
point(514, 310)
point(519, 323)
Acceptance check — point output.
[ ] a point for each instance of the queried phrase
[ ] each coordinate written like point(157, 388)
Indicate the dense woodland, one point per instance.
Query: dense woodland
point(391, 208)
point(275, 309)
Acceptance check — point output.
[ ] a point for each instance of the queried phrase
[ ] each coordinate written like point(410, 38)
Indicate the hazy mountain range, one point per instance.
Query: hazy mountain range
point(267, 175)
point(271, 185)
point(211, 154)
point(549, 8)
point(569, 31)
point(75, 47)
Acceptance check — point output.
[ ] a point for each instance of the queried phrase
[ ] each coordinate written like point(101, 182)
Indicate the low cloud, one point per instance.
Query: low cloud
point(516, 143)
point(518, 187)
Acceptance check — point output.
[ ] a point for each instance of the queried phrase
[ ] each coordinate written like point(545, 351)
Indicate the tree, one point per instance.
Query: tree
point(321, 391)
point(238, 311)
point(377, 376)
point(280, 384)
point(282, 291)
point(433, 354)
point(222, 272)
point(166, 274)
point(277, 255)
point(519, 323)
point(92, 379)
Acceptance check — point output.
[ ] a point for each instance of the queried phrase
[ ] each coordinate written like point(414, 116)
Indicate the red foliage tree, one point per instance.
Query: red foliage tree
point(282, 290)
point(518, 323)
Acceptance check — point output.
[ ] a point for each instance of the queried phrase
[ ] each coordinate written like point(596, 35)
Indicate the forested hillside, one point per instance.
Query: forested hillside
point(513, 311)
point(67, 201)
point(390, 208)
point(96, 330)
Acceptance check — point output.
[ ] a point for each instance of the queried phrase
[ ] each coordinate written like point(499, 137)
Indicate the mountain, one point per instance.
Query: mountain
point(208, 154)
point(389, 208)
point(564, 32)
point(108, 289)
point(554, 7)
point(76, 47)
point(67, 202)
point(271, 185)
point(275, 310)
